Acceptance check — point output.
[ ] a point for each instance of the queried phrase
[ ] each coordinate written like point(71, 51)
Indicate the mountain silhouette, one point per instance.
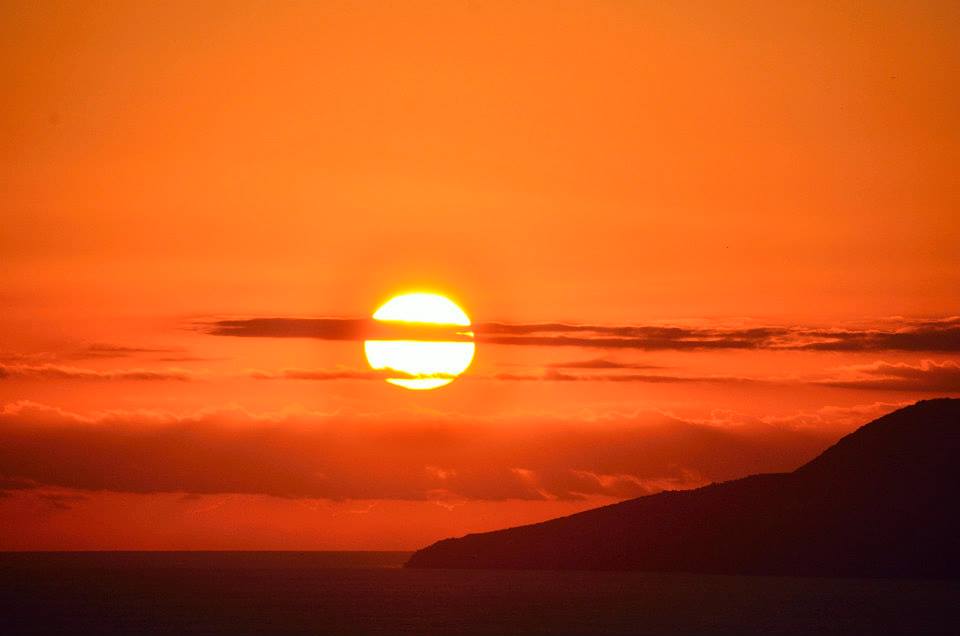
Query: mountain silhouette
point(883, 501)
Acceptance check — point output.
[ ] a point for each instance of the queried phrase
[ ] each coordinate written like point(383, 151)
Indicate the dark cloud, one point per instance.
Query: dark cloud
point(414, 457)
point(332, 329)
point(625, 337)
point(935, 335)
point(928, 376)
point(57, 372)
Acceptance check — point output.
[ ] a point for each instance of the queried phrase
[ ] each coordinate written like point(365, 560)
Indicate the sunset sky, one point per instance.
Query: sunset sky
point(697, 240)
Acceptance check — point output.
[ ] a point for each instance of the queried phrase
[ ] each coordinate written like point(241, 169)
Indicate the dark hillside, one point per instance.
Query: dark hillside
point(880, 502)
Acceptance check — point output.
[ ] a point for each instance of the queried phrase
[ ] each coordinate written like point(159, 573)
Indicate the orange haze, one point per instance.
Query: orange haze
point(697, 240)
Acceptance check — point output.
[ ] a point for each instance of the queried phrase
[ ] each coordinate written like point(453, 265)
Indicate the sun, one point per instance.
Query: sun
point(423, 364)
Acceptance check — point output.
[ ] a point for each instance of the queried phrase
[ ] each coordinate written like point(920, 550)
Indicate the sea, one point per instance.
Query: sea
point(240, 593)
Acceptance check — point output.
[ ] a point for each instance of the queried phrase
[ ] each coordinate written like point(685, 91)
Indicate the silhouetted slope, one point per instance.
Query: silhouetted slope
point(880, 502)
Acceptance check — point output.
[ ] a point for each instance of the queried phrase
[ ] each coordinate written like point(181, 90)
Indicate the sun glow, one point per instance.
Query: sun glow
point(426, 364)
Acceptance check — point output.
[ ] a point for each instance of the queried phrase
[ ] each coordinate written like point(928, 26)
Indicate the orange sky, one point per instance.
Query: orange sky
point(758, 200)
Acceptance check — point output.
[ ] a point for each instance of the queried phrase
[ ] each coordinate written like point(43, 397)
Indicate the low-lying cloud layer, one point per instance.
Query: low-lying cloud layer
point(428, 457)
point(917, 335)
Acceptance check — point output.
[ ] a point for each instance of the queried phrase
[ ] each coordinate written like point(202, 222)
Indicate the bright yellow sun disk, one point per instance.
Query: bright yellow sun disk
point(438, 362)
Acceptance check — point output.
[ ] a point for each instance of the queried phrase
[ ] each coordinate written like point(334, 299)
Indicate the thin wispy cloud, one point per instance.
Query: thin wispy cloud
point(58, 372)
point(548, 374)
point(554, 375)
point(926, 376)
point(104, 350)
point(601, 364)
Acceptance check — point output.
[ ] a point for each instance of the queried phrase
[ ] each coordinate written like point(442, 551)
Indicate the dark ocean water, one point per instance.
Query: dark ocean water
point(367, 593)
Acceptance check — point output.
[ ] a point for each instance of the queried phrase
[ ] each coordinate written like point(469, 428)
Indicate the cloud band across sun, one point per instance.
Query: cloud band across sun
point(902, 334)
